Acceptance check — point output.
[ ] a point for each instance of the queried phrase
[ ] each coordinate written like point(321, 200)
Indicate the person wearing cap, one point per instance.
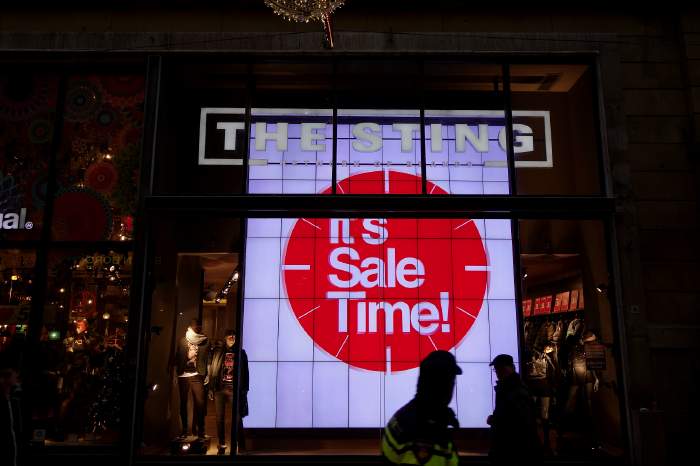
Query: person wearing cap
point(513, 424)
point(222, 372)
point(419, 432)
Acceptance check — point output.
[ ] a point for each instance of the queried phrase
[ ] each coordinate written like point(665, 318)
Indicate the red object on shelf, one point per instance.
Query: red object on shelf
point(546, 304)
point(573, 302)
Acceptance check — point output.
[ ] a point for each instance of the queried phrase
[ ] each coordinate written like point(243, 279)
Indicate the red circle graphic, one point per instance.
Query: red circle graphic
point(380, 294)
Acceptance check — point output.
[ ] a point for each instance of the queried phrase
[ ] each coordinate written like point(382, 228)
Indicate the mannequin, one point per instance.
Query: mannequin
point(542, 382)
point(559, 333)
point(191, 368)
point(81, 342)
point(583, 381)
point(222, 373)
point(81, 349)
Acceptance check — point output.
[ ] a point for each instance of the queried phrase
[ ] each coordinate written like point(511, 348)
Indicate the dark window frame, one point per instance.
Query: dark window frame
point(149, 206)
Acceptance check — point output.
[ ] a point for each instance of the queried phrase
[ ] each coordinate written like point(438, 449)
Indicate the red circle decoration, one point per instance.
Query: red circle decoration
point(101, 176)
point(81, 215)
point(343, 277)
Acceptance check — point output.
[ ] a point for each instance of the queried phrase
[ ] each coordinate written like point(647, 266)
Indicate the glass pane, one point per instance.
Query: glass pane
point(77, 398)
point(464, 129)
point(27, 114)
point(571, 350)
point(191, 374)
point(338, 314)
point(466, 152)
point(98, 162)
point(378, 152)
point(201, 133)
point(291, 151)
point(555, 121)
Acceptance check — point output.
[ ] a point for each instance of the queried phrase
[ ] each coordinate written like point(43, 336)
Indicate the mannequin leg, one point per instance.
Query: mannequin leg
point(241, 436)
point(544, 415)
point(199, 401)
point(592, 428)
point(571, 399)
point(183, 384)
point(220, 402)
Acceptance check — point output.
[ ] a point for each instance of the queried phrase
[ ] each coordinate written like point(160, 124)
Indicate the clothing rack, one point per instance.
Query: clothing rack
point(555, 316)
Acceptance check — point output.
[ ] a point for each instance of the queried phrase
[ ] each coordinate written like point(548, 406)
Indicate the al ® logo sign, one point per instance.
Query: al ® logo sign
point(387, 291)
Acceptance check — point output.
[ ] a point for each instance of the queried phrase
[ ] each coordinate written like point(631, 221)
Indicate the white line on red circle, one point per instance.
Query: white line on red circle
point(296, 267)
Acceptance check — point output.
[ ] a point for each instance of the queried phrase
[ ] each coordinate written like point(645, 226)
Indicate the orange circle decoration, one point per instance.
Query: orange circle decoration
point(81, 215)
point(101, 176)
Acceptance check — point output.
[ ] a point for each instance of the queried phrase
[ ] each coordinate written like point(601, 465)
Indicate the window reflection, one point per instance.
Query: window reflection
point(82, 379)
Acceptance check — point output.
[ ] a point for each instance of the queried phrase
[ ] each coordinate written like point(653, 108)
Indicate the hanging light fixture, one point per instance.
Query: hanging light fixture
point(308, 10)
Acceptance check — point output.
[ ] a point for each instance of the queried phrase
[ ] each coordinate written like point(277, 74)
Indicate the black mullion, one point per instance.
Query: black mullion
point(334, 103)
point(36, 314)
point(500, 206)
point(518, 278)
point(41, 274)
point(620, 346)
point(602, 156)
point(236, 404)
point(250, 90)
point(510, 151)
point(514, 222)
point(137, 342)
point(423, 159)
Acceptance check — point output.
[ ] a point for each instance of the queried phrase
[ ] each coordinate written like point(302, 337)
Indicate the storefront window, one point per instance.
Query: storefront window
point(189, 407)
point(333, 313)
point(98, 163)
point(27, 115)
point(80, 386)
point(570, 353)
point(556, 133)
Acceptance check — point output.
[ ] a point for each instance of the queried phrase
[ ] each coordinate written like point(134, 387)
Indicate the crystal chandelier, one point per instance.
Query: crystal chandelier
point(307, 10)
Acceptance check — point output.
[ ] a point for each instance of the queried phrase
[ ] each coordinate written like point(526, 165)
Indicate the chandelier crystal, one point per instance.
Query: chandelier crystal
point(304, 11)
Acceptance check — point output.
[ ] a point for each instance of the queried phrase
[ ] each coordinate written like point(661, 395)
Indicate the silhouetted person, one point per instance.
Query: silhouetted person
point(514, 438)
point(419, 432)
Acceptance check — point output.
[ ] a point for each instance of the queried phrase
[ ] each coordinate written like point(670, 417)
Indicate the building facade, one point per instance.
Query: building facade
point(475, 181)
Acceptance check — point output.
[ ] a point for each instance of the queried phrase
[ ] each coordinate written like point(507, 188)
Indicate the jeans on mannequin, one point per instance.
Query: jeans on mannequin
point(221, 399)
point(194, 385)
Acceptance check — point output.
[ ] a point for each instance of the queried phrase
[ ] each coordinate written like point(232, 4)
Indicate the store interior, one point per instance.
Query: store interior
point(568, 356)
point(569, 343)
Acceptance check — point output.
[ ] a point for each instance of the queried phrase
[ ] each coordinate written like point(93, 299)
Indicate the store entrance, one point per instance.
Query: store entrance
point(193, 347)
point(217, 297)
